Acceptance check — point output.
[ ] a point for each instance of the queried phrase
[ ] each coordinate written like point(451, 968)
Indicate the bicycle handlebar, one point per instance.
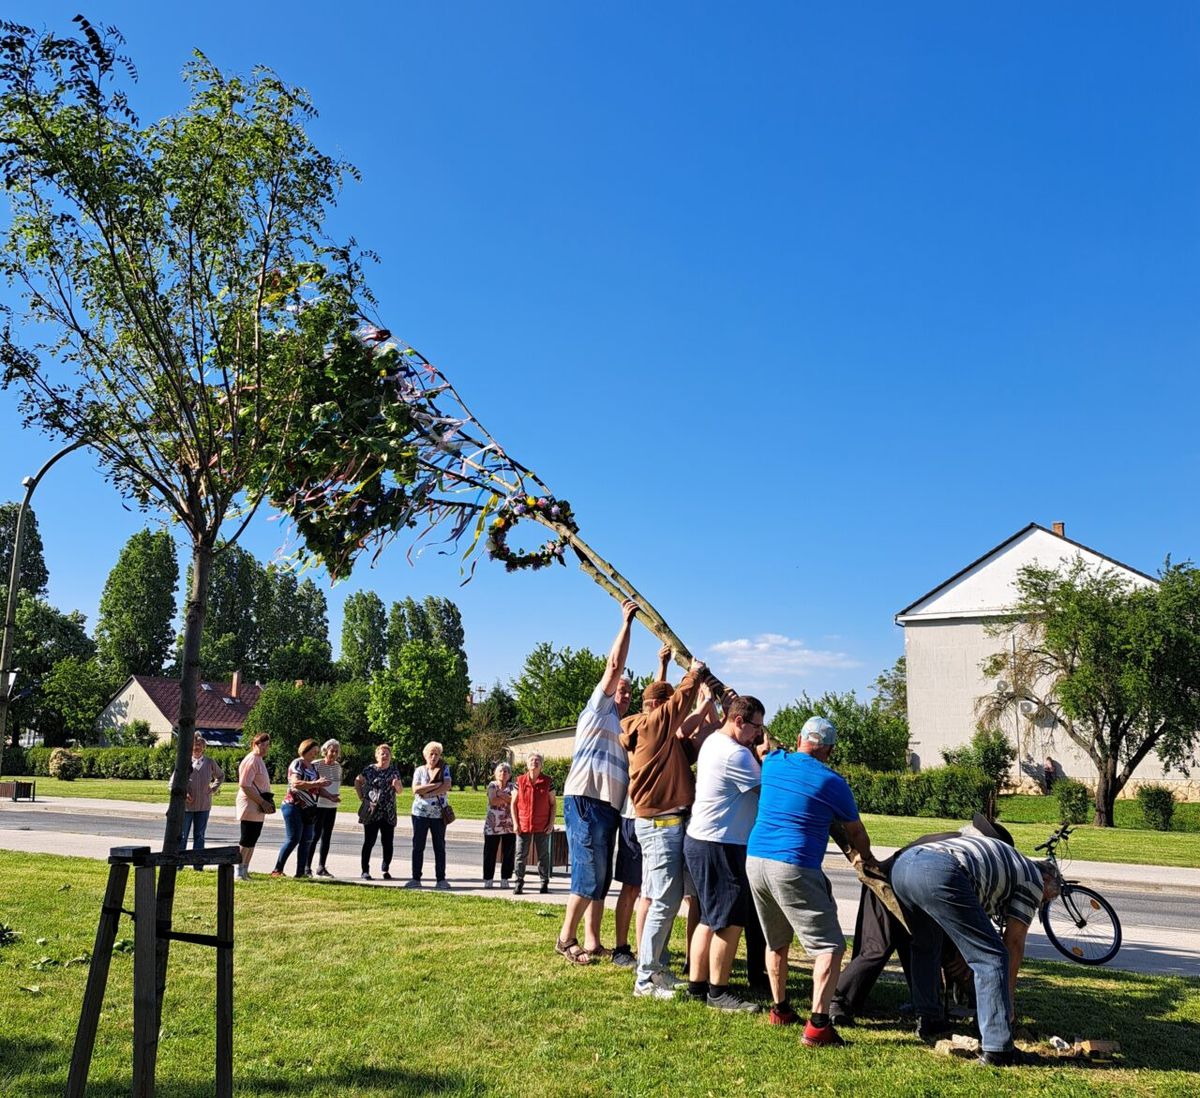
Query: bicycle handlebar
point(1055, 838)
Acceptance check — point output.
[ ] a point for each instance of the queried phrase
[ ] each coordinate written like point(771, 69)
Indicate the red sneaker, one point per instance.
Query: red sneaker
point(785, 1017)
point(824, 1035)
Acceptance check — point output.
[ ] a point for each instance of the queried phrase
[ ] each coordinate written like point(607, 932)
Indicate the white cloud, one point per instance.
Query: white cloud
point(770, 659)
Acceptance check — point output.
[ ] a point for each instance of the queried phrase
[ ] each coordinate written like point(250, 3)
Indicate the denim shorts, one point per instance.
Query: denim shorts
point(629, 855)
point(591, 833)
point(719, 871)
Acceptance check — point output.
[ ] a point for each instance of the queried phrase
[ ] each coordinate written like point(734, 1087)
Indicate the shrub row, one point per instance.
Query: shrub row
point(951, 792)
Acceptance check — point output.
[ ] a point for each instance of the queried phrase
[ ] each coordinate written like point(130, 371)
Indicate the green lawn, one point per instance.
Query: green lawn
point(1030, 819)
point(345, 991)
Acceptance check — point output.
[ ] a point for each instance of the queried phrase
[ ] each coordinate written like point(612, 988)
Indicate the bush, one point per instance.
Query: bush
point(1074, 800)
point(16, 761)
point(991, 752)
point(954, 792)
point(65, 765)
point(1157, 803)
point(868, 735)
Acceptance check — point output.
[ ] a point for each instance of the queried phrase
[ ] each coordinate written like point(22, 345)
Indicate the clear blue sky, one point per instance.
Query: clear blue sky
point(803, 307)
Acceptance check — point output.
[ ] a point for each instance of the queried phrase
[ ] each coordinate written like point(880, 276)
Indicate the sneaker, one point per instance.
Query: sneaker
point(443, 885)
point(785, 1017)
point(323, 872)
point(623, 957)
point(520, 888)
point(655, 987)
point(504, 882)
point(488, 884)
point(700, 995)
point(387, 876)
point(308, 873)
point(730, 1002)
point(1012, 1057)
point(932, 1030)
point(414, 883)
point(366, 877)
point(669, 979)
point(839, 1016)
point(816, 1036)
point(545, 888)
point(276, 872)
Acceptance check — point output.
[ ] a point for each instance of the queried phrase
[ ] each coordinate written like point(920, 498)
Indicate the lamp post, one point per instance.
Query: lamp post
point(14, 580)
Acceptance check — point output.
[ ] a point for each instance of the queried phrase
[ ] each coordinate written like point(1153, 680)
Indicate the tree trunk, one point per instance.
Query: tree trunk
point(1107, 788)
point(189, 679)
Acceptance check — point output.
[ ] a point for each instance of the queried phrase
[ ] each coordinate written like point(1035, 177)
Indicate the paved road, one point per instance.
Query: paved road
point(1160, 925)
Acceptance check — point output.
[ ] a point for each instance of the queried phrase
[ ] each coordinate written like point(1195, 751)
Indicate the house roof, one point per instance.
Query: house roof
point(216, 708)
point(1023, 533)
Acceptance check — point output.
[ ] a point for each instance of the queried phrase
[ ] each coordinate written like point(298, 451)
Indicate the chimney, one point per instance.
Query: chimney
point(236, 685)
point(1059, 529)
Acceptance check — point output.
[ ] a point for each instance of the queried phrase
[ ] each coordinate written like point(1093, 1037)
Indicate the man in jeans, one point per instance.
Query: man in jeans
point(592, 797)
point(533, 819)
point(957, 886)
point(662, 742)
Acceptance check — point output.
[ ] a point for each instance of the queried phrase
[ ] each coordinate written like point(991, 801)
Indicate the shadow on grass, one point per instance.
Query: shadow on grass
point(366, 1079)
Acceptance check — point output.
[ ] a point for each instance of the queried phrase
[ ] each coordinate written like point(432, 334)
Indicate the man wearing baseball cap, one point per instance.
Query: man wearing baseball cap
point(800, 798)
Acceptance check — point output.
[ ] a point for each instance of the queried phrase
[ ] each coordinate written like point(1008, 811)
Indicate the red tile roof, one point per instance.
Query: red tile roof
point(212, 710)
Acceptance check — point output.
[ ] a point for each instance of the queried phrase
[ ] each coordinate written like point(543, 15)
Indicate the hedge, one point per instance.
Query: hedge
point(950, 792)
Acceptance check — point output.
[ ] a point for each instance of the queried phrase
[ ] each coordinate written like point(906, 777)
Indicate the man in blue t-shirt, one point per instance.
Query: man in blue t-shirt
point(800, 798)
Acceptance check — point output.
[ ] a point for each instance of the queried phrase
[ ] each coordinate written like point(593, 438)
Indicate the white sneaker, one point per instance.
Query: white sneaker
point(655, 987)
point(666, 978)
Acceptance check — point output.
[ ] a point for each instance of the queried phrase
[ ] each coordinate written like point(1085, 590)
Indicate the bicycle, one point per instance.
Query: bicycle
point(1080, 923)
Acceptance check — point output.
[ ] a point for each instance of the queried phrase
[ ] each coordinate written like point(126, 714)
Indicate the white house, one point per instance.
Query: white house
point(946, 640)
point(221, 708)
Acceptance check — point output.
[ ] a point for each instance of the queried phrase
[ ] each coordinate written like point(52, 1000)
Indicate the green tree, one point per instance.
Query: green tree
point(137, 606)
point(346, 712)
point(1113, 666)
point(72, 695)
point(364, 634)
point(34, 576)
point(497, 712)
point(232, 632)
point(433, 621)
point(289, 714)
point(306, 659)
point(312, 614)
point(416, 701)
point(866, 735)
point(407, 621)
point(891, 690)
point(555, 685)
point(991, 751)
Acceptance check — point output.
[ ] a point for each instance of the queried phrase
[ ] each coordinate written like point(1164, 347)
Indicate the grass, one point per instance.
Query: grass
point(1030, 819)
point(344, 991)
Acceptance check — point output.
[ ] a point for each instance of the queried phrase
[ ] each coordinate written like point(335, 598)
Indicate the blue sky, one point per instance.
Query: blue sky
point(803, 307)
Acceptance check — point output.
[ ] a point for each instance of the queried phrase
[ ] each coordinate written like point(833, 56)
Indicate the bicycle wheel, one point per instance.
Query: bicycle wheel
point(1082, 926)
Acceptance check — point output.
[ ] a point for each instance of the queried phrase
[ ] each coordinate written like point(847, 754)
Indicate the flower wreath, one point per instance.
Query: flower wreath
point(558, 510)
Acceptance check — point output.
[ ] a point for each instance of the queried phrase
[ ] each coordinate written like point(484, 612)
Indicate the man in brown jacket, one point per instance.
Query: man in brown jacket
point(662, 742)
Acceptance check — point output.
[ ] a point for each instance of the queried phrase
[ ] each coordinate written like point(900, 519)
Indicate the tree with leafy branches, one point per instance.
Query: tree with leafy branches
point(364, 635)
point(137, 607)
point(34, 576)
point(554, 685)
point(176, 295)
point(1114, 666)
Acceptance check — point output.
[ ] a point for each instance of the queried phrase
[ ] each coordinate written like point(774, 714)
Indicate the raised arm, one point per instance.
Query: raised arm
point(664, 661)
point(620, 649)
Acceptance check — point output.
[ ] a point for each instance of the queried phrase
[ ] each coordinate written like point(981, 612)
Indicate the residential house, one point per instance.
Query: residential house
point(221, 708)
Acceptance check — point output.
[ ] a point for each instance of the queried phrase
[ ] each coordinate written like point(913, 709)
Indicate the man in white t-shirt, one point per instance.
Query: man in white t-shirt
point(728, 777)
point(592, 798)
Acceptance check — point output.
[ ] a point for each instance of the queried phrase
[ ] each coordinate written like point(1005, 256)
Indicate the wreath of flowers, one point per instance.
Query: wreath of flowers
point(557, 510)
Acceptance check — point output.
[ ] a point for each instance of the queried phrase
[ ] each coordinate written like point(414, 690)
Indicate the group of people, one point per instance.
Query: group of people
point(743, 836)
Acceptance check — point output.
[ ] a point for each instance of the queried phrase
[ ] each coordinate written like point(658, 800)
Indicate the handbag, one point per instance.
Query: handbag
point(448, 816)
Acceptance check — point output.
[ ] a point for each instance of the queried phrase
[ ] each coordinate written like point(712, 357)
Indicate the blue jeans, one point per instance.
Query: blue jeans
point(197, 824)
point(591, 833)
point(300, 826)
point(662, 885)
point(424, 826)
point(938, 896)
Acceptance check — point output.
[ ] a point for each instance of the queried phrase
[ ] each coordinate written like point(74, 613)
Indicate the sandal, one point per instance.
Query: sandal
point(572, 952)
point(600, 952)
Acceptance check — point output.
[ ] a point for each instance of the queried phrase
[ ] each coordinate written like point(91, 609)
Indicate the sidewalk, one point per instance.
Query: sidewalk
point(1114, 874)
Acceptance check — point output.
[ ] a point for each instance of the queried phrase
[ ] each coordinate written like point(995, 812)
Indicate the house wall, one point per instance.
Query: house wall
point(133, 704)
point(556, 744)
point(944, 661)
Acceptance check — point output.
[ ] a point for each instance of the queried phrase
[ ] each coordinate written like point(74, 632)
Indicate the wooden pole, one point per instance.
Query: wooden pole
point(145, 998)
point(97, 980)
point(224, 1080)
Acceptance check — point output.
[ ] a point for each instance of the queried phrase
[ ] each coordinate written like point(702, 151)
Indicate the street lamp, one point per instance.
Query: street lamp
point(7, 673)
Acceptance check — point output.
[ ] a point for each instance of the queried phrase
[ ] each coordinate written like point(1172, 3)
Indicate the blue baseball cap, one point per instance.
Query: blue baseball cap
point(819, 730)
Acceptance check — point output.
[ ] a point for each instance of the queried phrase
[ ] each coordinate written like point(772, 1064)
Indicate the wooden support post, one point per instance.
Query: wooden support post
point(145, 999)
point(224, 1080)
point(97, 980)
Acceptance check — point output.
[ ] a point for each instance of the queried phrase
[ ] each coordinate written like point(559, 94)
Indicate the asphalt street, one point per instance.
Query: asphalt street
point(1160, 926)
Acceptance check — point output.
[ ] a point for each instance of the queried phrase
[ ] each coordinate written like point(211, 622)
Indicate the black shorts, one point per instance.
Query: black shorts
point(629, 855)
point(719, 871)
point(250, 831)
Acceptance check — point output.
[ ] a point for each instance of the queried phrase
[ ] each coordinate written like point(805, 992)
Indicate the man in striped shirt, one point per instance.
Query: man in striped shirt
point(957, 886)
point(592, 798)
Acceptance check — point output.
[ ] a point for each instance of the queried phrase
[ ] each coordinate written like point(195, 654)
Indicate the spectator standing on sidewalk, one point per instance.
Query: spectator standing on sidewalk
point(430, 785)
point(254, 801)
point(498, 834)
point(328, 800)
point(300, 809)
point(532, 809)
point(204, 780)
point(377, 787)
point(592, 797)
point(800, 798)
point(728, 776)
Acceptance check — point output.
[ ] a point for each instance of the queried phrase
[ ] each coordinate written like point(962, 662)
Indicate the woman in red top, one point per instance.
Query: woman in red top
point(533, 817)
